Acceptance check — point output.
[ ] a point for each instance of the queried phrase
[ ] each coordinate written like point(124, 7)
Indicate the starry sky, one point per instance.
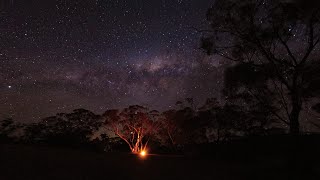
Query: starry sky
point(60, 55)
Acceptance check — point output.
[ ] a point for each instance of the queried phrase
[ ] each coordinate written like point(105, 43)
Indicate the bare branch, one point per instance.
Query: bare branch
point(269, 108)
point(284, 43)
point(311, 43)
point(283, 100)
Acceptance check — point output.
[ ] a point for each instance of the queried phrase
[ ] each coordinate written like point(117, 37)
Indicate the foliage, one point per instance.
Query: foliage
point(7, 128)
point(317, 108)
point(135, 125)
point(178, 126)
point(138, 128)
point(65, 128)
point(273, 44)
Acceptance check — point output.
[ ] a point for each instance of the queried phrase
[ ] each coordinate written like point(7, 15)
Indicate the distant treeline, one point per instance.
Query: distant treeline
point(136, 128)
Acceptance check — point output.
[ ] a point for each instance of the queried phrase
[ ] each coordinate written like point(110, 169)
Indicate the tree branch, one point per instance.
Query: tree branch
point(269, 109)
point(311, 43)
point(288, 49)
point(284, 102)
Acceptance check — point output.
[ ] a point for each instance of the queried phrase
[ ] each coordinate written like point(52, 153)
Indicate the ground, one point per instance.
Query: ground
point(29, 162)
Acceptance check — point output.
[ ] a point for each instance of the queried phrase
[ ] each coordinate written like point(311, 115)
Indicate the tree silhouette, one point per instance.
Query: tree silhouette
point(170, 129)
point(184, 125)
point(274, 43)
point(7, 128)
point(317, 108)
point(174, 131)
point(135, 125)
point(65, 128)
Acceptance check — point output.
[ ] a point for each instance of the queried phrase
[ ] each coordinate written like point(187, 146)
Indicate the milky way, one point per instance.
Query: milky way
point(57, 56)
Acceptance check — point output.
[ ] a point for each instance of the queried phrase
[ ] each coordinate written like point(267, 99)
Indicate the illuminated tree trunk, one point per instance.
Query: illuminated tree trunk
point(135, 146)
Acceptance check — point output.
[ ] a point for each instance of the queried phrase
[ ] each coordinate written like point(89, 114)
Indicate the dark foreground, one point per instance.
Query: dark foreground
point(27, 162)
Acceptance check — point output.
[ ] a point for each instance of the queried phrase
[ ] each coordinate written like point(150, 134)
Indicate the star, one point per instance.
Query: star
point(94, 54)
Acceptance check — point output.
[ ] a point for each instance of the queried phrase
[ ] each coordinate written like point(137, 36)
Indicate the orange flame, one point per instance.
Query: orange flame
point(143, 153)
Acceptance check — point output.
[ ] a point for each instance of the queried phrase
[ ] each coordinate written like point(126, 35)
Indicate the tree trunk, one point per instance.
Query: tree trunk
point(294, 122)
point(295, 113)
point(294, 145)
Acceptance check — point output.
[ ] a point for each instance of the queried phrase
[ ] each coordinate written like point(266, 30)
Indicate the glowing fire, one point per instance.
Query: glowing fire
point(143, 153)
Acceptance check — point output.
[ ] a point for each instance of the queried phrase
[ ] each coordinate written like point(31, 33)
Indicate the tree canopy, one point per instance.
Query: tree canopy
point(135, 125)
point(274, 47)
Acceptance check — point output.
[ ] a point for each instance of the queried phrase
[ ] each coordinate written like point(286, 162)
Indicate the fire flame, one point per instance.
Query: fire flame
point(143, 153)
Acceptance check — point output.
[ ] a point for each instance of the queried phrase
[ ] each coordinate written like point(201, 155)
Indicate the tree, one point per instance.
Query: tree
point(317, 108)
point(274, 43)
point(171, 131)
point(65, 128)
point(135, 125)
point(188, 124)
point(7, 128)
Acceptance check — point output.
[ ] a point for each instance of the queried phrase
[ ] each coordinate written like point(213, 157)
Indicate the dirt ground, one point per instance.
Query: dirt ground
point(40, 163)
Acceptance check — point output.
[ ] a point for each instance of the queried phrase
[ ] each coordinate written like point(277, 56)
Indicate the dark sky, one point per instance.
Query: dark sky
point(57, 56)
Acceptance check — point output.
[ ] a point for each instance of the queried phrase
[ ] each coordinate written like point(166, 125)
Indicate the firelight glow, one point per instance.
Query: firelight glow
point(143, 153)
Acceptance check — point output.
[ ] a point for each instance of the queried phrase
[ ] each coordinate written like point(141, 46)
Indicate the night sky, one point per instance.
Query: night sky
point(57, 56)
